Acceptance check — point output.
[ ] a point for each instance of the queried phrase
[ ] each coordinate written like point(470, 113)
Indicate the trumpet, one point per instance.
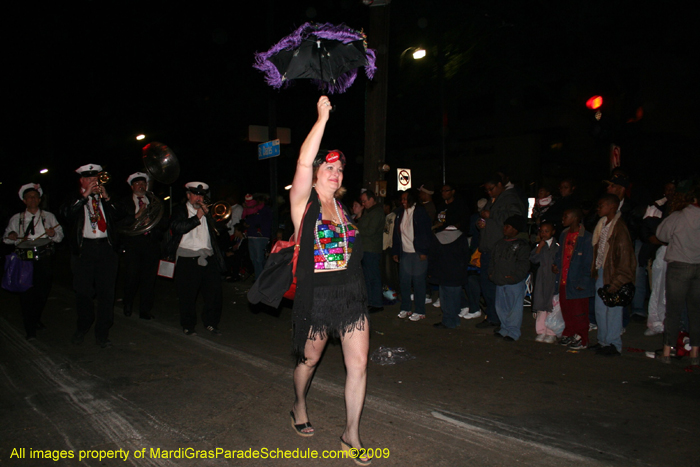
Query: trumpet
point(220, 211)
point(103, 178)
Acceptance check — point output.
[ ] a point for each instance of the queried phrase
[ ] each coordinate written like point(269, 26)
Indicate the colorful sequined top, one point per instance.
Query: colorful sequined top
point(329, 251)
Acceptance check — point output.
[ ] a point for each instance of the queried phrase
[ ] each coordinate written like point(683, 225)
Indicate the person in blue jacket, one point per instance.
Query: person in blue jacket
point(576, 286)
point(411, 244)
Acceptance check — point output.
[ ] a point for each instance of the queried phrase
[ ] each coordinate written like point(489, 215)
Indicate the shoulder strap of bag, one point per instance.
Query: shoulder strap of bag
point(298, 240)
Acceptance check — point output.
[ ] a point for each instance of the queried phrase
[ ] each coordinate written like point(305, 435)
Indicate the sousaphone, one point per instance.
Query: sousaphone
point(161, 164)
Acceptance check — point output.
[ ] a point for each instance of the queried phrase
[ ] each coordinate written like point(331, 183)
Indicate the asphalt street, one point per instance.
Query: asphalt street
point(160, 397)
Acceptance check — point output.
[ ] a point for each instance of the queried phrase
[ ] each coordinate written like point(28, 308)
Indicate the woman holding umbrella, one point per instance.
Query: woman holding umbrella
point(331, 298)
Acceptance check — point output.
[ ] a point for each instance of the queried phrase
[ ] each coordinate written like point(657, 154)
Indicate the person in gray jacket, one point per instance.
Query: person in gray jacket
point(502, 204)
point(681, 230)
point(371, 226)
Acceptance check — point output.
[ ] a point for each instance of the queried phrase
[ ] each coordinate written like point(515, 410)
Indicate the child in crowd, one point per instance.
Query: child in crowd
point(545, 282)
point(573, 264)
point(614, 264)
point(447, 267)
point(508, 269)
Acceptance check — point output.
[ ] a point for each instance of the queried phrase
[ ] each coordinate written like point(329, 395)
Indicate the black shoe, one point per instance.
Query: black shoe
point(189, 332)
point(146, 316)
point(486, 324)
point(607, 351)
point(40, 326)
point(440, 326)
point(214, 330)
point(497, 330)
point(104, 343)
point(77, 338)
point(375, 309)
point(508, 339)
point(610, 351)
point(128, 310)
point(31, 338)
point(595, 347)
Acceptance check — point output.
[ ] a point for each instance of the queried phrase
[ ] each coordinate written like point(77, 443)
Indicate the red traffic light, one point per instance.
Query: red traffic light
point(594, 102)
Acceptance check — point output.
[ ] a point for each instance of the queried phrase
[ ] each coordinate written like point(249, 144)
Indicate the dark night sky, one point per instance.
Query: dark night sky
point(81, 80)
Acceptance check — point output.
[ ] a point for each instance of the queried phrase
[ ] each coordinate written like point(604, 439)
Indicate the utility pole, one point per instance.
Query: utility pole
point(376, 107)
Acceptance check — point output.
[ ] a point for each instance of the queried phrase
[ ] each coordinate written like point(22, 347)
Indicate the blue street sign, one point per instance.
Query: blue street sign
point(269, 149)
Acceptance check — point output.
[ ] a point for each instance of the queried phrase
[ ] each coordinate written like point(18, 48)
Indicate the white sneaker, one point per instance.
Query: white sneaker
point(437, 303)
point(592, 327)
point(549, 339)
point(652, 332)
point(476, 314)
point(463, 312)
point(405, 314)
point(428, 300)
point(416, 317)
point(540, 338)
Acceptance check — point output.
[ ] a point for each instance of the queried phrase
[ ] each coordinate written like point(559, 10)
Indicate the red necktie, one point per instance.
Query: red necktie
point(101, 224)
point(141, 203)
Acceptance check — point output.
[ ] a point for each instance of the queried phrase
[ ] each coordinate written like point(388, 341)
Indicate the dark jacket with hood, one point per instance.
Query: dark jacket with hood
point(507, 204)
point(449, 258)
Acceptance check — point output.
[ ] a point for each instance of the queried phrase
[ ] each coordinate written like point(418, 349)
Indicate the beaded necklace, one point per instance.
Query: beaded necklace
point(343, 229)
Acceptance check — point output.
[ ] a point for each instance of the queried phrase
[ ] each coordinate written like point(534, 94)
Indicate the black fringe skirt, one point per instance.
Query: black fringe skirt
point(339, 306)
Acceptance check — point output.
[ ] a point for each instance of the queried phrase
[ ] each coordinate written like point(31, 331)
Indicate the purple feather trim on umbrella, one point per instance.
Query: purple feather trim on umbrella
point(327, 31)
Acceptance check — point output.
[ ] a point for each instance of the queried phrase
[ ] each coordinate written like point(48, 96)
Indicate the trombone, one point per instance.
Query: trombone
point(220, 211)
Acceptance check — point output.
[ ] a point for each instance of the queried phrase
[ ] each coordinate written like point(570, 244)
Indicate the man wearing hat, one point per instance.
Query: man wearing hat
point(93, 242)
point(425, 193)
point(141, 252)
point(39, 227)
point(199, 262)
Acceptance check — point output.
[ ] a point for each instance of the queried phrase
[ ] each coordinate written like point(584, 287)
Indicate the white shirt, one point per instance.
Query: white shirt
point(407, 230)
point(136, 201)
point(19, 223)
point(236, 214)
point(197, 238)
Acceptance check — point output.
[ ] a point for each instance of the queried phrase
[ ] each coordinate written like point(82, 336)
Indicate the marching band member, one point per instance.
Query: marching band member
point(27, 228)
point(199, 262)
point(142, 251)
point(94, 261)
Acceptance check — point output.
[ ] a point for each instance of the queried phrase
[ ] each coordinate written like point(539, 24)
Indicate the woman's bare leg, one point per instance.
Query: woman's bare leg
point(303, 374)
point(355, 353)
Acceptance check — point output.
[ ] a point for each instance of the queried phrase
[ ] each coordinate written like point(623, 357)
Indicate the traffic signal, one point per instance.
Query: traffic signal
point(595, 102)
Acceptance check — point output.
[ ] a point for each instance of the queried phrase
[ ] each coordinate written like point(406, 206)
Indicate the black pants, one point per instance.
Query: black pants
point(141, 267)
point(190, 280)
point(33, 300)
point(94, 276)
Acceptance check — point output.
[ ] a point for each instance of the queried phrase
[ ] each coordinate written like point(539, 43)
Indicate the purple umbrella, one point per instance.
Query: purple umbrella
point(327, 54)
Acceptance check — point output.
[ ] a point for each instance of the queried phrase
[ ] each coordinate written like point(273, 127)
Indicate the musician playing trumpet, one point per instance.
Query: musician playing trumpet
point(94, 261)
point(199, 262)
point(33, 231)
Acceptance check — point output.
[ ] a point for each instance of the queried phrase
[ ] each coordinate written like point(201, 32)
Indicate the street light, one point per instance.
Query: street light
point(418, 53)
point(140, 137)
point(44, 171)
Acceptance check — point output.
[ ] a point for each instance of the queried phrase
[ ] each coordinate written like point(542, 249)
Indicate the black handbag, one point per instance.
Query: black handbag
point(622, 297)
point(277, 279)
